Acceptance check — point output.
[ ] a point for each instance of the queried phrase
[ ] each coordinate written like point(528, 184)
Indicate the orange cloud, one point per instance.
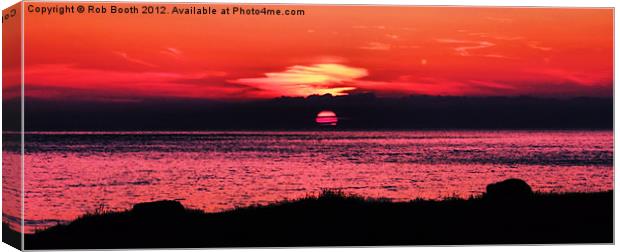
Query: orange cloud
point(376, 46)
point(534, 44)
point(134, 60)
point(465, 50)
point(308, 80)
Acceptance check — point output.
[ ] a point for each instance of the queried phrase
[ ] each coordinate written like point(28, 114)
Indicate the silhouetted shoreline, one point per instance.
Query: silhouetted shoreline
point(507, 214)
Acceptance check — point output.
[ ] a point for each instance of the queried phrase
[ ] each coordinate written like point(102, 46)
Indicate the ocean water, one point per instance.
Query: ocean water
point(71, 173)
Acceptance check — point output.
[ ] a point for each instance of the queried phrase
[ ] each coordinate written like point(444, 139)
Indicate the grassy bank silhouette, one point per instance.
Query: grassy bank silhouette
point(506, 215)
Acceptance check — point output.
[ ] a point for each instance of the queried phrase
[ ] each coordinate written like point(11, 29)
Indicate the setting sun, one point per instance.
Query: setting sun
point(327, 117)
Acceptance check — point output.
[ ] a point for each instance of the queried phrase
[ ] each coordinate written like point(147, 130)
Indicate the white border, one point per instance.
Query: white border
point(542, 3)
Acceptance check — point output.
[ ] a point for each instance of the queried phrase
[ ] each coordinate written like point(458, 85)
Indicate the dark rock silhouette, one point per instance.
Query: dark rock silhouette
point(336, 219)
point(509, 190)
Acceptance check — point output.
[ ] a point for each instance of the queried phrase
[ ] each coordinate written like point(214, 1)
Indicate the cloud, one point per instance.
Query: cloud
point(301, 80)
point(493, 85)
point(465, 50)
point(171, 51)
point(379, 27)
point(134, 60)
point(383, 27)
point(498, 56)
point(85, 83)
point(206, 78)
point(492, 36)
point(535, 45)
point(553, 86)
point(479, 34)
point(576, 77)
point(376, 46)
point(408, 46)
point(413, 85)
point(508, 37)
point(500, 20)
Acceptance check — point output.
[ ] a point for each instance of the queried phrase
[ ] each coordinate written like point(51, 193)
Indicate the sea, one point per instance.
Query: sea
point(68, 174)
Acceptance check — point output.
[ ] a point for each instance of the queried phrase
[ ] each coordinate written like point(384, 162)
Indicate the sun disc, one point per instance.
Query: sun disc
point(327, 117)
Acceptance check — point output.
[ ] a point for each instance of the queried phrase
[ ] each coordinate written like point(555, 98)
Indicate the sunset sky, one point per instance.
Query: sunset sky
point(340, 50)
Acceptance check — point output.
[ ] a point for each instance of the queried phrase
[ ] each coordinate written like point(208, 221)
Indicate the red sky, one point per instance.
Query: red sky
point(390, 51)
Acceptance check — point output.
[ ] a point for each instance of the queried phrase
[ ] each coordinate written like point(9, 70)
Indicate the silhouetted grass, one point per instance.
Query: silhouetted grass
point(335, 219)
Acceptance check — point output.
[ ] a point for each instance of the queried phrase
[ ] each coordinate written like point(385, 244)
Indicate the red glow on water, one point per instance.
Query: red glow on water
point(327, 117)
point(69, 175)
